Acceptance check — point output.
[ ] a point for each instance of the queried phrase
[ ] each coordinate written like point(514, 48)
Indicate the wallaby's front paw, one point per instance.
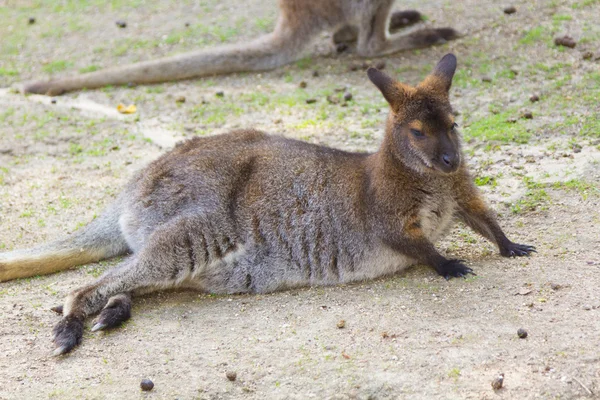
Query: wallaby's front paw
point(454, 269)
point(517, 250)
point(67, 334)
point(117, 311)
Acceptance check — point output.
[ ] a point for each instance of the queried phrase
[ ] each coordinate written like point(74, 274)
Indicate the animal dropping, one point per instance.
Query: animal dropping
point(248, 212)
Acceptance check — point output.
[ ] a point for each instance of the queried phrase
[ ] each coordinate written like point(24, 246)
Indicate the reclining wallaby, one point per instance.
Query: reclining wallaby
point(300, 22)
point(249, 212)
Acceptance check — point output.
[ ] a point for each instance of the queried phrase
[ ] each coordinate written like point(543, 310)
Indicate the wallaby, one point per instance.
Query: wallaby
point(300, 22)
point(250, 212)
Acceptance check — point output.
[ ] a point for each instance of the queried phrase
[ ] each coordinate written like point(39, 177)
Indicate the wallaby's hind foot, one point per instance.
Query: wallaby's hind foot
point(114, 313)
point(404, 19)
point(67, 334)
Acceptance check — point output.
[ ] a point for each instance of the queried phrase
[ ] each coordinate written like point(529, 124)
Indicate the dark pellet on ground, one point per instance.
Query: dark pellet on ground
point(528, 115)
point(231, 375)
point(587, 55)
point(53, 101)
point(146, 385)
point(566, 41)
point(302, 85)
point(341, 47)
point(365, 66)
point(187, 24)
point(522, 333)
point(380, 65)
point(354, 67)
point(310, 101)
point(31, 20)
point(534, 98)
point(220, 94)
point(315, 74)
point(510, 10)
point(121, 24)
point(486, 79)
point(347, 96)
point(498, 382)
point(180, 99)
point(332, 100)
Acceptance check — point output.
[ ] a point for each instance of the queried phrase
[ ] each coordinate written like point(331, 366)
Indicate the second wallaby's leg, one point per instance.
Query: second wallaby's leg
point(373, 38)
point(174, 253)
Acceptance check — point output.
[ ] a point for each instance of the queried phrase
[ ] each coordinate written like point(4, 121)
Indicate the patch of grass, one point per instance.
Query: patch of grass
point(57, 66)
point(496, 127)
point(536, 198)
point(584, 3)
point(454, 373)
point(304, 63)
point(8, 72)
point(486, 181)
point(90, 68)
point(533, 35)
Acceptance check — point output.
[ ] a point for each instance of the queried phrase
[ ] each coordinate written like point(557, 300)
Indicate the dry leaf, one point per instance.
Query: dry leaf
point(123, 109)
point(346, 356)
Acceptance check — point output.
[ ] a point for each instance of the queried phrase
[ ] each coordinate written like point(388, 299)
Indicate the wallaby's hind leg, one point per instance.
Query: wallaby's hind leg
point(399, 20)
point(174, 253)
point(373, 38)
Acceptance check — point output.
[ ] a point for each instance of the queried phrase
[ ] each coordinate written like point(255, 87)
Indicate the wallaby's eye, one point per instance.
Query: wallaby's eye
point(416, 132)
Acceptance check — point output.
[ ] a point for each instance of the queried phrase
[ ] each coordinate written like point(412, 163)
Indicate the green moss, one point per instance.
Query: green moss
point(57, 66)
point(497, 127)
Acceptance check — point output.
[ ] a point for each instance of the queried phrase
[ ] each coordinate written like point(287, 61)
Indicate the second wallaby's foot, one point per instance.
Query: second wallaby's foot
point(116, 311)
point(431, 37)
point(404, 19)
point(67, 334)
point(516, 250)
point(454, 269)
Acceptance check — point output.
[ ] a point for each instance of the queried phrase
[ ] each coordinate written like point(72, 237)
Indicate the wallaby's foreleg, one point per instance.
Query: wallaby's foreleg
point(374, 40)
point(174, 253)
point(281, 47)
point(413, 243)
point(475, 213)
point(99, 240)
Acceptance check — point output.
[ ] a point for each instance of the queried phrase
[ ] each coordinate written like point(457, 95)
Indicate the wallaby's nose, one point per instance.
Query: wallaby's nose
point(447, 159)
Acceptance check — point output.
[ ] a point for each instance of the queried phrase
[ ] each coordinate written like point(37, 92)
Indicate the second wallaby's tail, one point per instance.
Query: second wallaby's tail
point(267, 52)
point(99, 240)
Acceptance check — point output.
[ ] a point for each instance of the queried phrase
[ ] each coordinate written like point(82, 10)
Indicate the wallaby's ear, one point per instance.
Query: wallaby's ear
point(388, 86)
point(441, 77)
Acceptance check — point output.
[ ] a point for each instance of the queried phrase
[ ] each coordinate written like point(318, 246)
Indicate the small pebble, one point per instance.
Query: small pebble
point(53, 101)
point(310, 101)
point(231, 375)
point(31, 20)
point(121, 24)
point(587, 307)
point(380, 65)
point(315, 74)
point(187, 24)
point(566, 41)
point(57, 309)
point(220, 94)
point(180, 99)
point(576, 148)
point(146, 385)
point(341, 47)
point(341, 324)
point(510, 10)
point(486, 79)
point(528, 115)
point(347, 96)
point(354, 67)
point(534, 98)
point(587, 55)
point(302, 85)
point(522, 333)
point(498, 382)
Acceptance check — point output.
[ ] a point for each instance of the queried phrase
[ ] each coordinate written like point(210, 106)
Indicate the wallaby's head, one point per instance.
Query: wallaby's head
point(421, 129)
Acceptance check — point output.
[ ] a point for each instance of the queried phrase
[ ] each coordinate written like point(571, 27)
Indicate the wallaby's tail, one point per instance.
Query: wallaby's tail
point(101, 239)
point(267, 52)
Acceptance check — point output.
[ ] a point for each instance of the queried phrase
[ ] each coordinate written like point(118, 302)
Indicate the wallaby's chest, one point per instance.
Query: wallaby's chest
point(436, 216)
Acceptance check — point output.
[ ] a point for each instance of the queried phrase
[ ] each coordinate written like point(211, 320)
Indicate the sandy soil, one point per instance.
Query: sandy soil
point(408, 336)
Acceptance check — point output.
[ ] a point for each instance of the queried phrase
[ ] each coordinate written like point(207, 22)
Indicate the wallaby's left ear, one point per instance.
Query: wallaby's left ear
point(441, 77)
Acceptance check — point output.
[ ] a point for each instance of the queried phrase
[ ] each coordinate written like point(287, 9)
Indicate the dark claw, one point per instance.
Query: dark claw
point(67, 334)
point(117, 311)
point(454, 269)
point(517, 250)
point(57, 309)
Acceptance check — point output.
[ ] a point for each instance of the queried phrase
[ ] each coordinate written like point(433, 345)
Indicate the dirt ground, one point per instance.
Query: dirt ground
point(409, 336)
